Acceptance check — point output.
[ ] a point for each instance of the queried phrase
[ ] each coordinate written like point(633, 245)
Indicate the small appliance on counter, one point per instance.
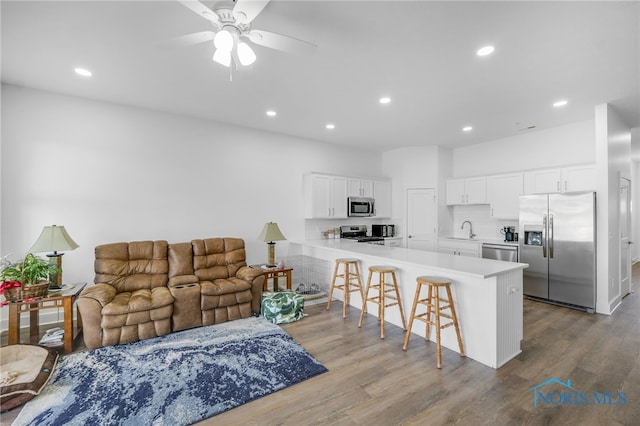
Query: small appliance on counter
point(384, 231)
point(509, 233)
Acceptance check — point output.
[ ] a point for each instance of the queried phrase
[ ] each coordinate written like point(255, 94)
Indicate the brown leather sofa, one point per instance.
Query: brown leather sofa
point(146, 289)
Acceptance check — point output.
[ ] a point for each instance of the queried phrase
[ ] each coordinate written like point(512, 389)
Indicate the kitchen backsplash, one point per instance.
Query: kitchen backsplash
point(484, 226)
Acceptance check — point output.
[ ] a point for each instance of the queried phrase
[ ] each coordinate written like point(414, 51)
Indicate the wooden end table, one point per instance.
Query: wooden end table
point(275, 274)
point(53, 300)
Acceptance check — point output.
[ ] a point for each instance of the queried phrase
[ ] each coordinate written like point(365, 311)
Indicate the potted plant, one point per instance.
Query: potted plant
point(26, 279)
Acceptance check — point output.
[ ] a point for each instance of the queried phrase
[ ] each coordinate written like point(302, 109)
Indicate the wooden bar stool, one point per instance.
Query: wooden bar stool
point(432, 302)
point(382, 287)
point(351, 281)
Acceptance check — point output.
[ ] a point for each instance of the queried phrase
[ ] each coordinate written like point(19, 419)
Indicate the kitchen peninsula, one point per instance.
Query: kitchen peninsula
point(487, 293)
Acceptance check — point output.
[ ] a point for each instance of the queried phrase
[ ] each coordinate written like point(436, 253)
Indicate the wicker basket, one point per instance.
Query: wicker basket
point(17, 294)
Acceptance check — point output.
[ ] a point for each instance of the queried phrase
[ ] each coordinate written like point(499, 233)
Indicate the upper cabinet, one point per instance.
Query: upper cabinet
point(382, 195)
point(567, 179)
point(467, 191)
point(325, 196)
point(503, 192)
point(360, 187)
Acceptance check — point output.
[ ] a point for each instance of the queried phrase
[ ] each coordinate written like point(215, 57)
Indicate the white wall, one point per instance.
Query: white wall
point(635, 190)
point(613, 148)
point(418, 167)
point(556, 147)
point(114, 173)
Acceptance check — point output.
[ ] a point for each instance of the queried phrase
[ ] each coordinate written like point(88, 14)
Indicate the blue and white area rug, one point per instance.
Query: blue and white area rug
point(177, 379)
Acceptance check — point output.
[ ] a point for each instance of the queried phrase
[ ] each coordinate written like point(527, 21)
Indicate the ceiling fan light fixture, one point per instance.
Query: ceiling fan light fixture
point(246, 54)
point(223, 40)
point(222, 57)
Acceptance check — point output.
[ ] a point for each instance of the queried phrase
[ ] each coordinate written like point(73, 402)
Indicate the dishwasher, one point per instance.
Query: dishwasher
point(505, 252)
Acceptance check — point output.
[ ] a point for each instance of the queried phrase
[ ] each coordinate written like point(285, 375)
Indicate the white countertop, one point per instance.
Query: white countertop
point(483, 268)
point(482, 240)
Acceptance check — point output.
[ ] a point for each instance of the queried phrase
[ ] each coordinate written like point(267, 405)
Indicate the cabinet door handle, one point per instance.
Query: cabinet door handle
point(558, 185)
point(565, 185)
point(467, 198)
point(462, 198)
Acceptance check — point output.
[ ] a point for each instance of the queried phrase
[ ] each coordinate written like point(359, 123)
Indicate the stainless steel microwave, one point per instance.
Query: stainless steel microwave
point(360, 206)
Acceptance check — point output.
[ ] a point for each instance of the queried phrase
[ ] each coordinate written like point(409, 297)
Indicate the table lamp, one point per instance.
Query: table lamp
point(269, 234)
point(54, 238)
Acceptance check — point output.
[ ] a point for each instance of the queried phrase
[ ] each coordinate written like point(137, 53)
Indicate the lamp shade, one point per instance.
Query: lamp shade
point(53, 238)
point(271, 232)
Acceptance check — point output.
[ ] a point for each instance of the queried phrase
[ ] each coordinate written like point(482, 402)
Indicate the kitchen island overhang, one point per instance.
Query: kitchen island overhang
point(487, 293)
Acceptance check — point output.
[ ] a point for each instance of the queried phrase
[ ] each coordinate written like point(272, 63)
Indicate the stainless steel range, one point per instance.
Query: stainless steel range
point(359, 234)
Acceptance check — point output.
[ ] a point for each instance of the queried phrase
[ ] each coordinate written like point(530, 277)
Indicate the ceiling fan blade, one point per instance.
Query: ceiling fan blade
point(189, 39)
point(200, 9)
point(281, 42)
point(246, 11)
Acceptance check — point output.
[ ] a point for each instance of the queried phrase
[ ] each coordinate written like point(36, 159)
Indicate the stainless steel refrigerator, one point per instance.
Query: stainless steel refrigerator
point(558, 241)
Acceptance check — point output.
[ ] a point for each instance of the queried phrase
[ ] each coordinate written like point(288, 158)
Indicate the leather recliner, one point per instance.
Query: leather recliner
point(147, 289)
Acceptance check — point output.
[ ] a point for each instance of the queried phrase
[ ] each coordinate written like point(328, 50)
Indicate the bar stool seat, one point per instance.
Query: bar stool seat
point(434, 312)
point(351, 281)
point(386, 291)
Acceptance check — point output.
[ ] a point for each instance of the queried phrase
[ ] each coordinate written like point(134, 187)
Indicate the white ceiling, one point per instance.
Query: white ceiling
point(420, 53)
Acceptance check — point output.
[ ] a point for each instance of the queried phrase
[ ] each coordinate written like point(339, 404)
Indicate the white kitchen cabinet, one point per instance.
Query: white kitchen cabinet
point(503, 195)
point(382, 195)
point(360, 187)
point(325, 196)
point(567, 179)
point(460, 247)
point(579, 178)
point(467, 191)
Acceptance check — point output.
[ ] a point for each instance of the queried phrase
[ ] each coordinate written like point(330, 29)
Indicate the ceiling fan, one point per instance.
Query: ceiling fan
point(232, 28)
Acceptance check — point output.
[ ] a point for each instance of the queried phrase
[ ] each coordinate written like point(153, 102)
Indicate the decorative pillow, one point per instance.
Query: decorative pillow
point(24, 371)
point(282, 306)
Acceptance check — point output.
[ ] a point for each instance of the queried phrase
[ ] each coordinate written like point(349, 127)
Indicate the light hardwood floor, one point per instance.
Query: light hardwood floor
point(374, 382)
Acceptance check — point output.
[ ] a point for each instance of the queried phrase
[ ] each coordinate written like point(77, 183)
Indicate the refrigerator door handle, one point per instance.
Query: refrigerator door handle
point(544, 235)
point(550, 236)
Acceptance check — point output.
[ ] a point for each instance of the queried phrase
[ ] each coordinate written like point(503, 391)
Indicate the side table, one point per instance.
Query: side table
point(275, 274)
point(53, 300)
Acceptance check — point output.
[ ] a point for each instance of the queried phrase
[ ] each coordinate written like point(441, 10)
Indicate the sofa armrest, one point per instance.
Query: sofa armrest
point(90, 303)
point(183, 280)
point(256, 277)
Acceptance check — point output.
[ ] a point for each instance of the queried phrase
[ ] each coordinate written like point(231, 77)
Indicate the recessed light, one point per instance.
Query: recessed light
point(271, 113)
point(467, 128)
point(330, 126)
point(560, 103)
point(385, 100)
point(83, 72)
point(486, 50)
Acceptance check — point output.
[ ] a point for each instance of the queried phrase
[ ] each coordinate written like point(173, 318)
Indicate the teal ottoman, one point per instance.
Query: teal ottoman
point(282, 307)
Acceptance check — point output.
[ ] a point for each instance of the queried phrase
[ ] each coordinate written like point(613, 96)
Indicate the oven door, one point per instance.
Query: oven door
point(360, 206)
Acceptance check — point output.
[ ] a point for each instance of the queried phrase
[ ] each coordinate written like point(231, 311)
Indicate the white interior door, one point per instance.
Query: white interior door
point(625, 236)
point(421, 219)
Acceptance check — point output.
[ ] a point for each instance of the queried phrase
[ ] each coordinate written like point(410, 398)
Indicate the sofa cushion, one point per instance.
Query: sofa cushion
point(138, 300)
point(132, 266)
point(180, 259)
point(216, 258)
point(224, 286)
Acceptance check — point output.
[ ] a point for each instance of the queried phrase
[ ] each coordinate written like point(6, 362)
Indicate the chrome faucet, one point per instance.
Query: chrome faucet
point(471, 234)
